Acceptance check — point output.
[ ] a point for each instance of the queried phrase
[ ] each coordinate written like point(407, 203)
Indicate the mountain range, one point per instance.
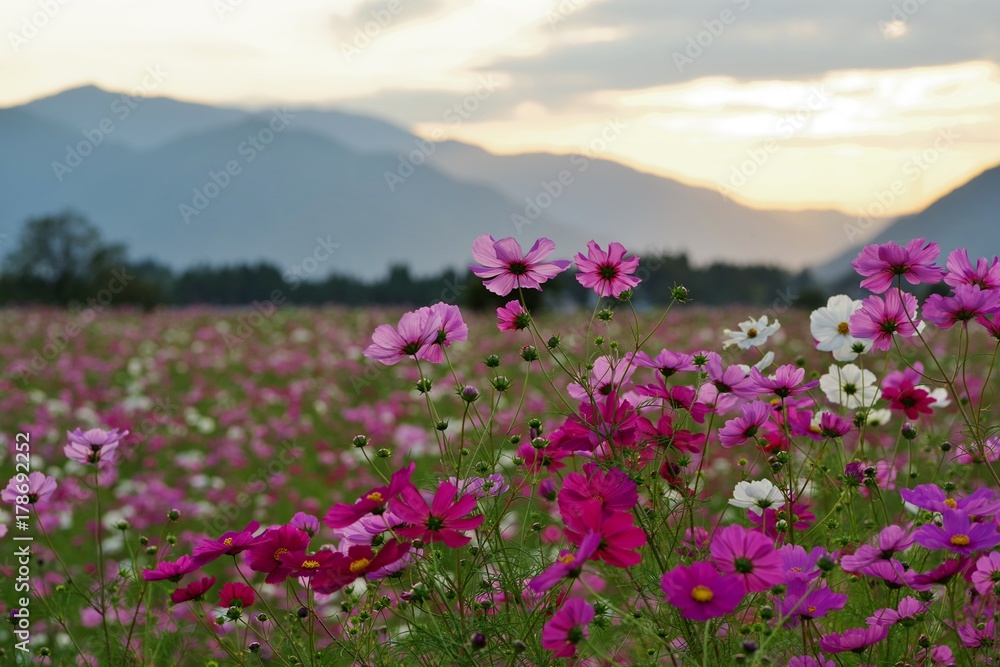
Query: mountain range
point(188, 183)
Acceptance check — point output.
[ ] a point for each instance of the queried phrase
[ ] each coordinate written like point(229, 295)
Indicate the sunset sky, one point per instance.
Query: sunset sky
point(785, 104)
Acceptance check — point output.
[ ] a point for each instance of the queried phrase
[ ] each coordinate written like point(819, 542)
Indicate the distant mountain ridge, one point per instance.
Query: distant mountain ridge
point(187, 183)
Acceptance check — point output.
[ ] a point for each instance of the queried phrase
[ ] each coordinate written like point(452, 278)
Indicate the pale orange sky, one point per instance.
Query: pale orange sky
point(777, 109)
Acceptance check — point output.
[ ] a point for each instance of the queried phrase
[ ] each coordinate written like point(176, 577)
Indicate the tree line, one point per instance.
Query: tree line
point(62, 260)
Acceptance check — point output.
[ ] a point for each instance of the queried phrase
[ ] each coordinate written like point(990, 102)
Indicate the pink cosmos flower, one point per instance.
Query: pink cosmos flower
point(739, 430)
point(749, 556)
point(991, 324)
point(342, 515)
point(933, 498)
point(568, 565)
point(93, 447)
point(787, 381)
point(194, 591)
point(230, 544)
point(974, 636)
point(731, 380)
point(442, 520)
point(908, 399)
point(957, 533)
point(512, 317)
point(508, 268)
point(986, 273)
point(854, 640)
point(306, 522)
point(878, 319)
point(450, 329)
point(883, 263)
point(809, 661)
point(38, 487)
point(172, 571)
point(987, 574)
point(969, 302)
point(613, 489)
point(236, 595)
point(265, 554)
point(805, 601)
point(567, 628)
point(608, 375)
point(619, 537)
point(663, 434)
point(800, 564)
point(832, 426)
point(891, 540)
point(700, 592)
point(906, 613)
point(411, 337)
point(666, 362)
point(607, 273)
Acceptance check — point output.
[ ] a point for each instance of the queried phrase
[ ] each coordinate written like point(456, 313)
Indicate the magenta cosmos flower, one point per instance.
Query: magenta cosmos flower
point(958, 533)
point(987, 574)
point(265, 554)
point(567, 628)
point(883, 263)
point(442, 520)
point(906, 613)
point(450, 329)
point(171, 570)
point(607, 273)
point(359, 561)
point(933, 498)
point(194, 591)
point(700, 592)
point(667, 362)
point(568, 565)
point(732, 380)
point(805, 601)
point(854, 640)
point(969, 302)
point(878, 319)
point(93, 447)
point(237, 595)
point(986, 273)
point(512, 317)
point(508, 268)
point(619, 537)
point(739, 430)
point(411, 337)
point(37, 487)
point(749, 556)
point(343, 515)
point(229, 544)
point(612, 489)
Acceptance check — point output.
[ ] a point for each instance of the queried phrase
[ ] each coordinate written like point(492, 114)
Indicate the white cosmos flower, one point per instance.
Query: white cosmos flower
point(878, 417)
point(752, 333)
point(757, 496)
point(939, 394)
point(830, 327)
point(849, 386)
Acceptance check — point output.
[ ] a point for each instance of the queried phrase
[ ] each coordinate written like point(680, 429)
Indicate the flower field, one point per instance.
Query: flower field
point(629, 486)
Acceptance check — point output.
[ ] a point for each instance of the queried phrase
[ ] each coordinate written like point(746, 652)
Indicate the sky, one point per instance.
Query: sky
point(775, 103)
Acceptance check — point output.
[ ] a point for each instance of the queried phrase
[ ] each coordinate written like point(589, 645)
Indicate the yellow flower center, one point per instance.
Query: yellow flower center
point(228, 541)
point(702, 594)
point(278, 552)
point(843, 328)
point(812, 609)
point(960, 540)
point(567, 559)
point(375, 497)
point(950, 502)
point(359, 565)
point(751, 333)
point(310, 564)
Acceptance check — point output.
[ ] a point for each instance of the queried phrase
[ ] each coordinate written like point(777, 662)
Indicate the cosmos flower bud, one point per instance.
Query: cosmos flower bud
point(680, 293)
point(908, 431)
point(174, 514)
point(477, 641)
point(469, 394)
point(424, 385)
point(492, 361)
point(548, 489)
point(360, 441)
point(254, 647)
point(529, 353)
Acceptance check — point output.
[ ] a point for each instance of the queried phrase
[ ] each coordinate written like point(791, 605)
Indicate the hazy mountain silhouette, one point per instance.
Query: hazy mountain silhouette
point(326, 174)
